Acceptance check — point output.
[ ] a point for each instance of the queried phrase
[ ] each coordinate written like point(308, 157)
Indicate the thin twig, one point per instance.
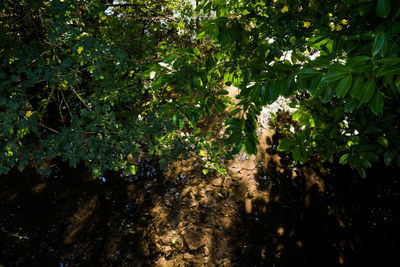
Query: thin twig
point(59, 108)
point(69, 110)
point(48, 128)
point(14, 235)
point(81, 99)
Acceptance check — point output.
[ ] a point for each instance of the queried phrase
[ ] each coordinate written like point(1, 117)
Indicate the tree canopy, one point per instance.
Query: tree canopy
point(98, 83)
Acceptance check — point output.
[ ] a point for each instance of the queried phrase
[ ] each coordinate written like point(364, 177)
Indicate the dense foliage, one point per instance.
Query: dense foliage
point(81, 80)
point(99, 83)
point(341, 60)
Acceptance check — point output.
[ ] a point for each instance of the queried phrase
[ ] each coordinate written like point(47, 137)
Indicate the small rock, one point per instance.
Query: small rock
point(192, 203)
point(204, 202)
point(280, 231)
point(206, 251)
point(202, 192)
point(223, 222)
point(187, 256)
point(247, 205)
point(168, 251)
point(193, 239)
point(217, 182)
point(162, 262)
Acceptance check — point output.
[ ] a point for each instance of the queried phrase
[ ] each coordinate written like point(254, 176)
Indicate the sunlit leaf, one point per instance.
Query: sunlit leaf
point(344, 159)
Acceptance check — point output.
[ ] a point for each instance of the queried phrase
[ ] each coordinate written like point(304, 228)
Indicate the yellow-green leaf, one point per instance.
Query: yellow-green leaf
point(80, 49)
point(28, 114)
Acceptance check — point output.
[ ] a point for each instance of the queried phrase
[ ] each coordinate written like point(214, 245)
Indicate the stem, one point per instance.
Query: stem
point(48, 128)
point(81, 99)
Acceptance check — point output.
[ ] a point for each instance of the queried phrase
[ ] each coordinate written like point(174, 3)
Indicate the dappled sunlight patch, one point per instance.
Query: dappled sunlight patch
point(79, 219)
point(38, 188)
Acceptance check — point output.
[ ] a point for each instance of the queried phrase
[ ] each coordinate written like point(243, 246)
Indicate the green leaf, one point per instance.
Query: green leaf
point(213, 31)
point(285, 144)
point(223, 92)
point(266, 91)
point(303, 154)
point(196, 131)
point(344, 86)
point(96, 173)
point(159, 82)
point(365, 163)
point(350, 104)
point(181, 123)
point(205, 171)
point(250, 144)
point(356, 88)
point(383, 141)
point(388, 157)
point(344, 159)
point(80, 49)
point(163, 164)
point(224, 38)
point(296, 153)
point(255, 93)
point(368, 91)
point(234, 112)
point(307, 73)
point(378, 43)
point(328, 94)
point(376, 104)
point(235, 137)
point(228, 78)
point(315, 88)
point(359, 64)
point(133, 169)
point(290, 87)
point(332, 77)
point(361, 172)
point(383, 8)
point(276, 89)
point(301, 84)
point(218, 2)
point(388, 70)
point(220, 106)
point(201, 5)
point(14, 78)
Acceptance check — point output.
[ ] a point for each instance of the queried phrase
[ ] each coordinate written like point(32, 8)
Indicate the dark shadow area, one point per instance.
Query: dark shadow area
point(299, 215)
point(71, 219)
point(320, 216)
